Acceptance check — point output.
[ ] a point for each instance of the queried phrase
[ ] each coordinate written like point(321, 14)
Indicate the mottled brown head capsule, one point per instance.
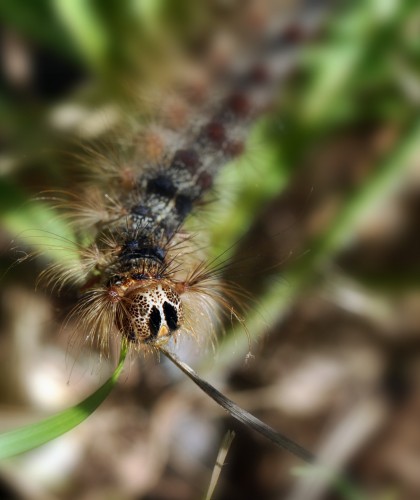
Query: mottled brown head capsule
point(151, 313)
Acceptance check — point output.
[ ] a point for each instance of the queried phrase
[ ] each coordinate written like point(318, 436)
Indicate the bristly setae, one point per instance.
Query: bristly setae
point(135, 284)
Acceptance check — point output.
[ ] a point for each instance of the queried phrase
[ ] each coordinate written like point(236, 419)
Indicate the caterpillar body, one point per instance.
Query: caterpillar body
point(130, 271)
point(134, 284)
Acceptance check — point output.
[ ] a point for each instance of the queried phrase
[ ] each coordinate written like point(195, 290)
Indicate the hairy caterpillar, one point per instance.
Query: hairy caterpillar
point(133, 276)
point(140, 277)
point(132, 284)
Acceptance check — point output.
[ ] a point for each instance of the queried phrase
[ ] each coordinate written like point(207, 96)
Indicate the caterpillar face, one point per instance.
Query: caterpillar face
point(151, 313)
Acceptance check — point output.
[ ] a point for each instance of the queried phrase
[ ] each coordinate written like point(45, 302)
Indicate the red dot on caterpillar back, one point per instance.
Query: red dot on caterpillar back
point(205, 181)
point(239, 104)
point(293, 34)
point(186, 158)
point(258, 74)
point(216, 132)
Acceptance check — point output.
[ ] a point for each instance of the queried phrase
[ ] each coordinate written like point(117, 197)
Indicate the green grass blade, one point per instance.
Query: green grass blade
point(83, 21)
point(31, 436)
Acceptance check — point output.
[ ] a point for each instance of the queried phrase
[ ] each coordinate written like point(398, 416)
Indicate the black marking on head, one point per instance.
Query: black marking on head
point(162, 186)
point(171, 316)
point(183, 205)
point(154, 322)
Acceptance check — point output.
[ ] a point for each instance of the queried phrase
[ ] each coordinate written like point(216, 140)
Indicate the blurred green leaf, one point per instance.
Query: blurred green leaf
point(31, 436)
point(33, 222)
point(83, 22)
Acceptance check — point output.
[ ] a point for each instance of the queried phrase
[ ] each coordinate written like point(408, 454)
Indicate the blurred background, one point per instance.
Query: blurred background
point(319, 219)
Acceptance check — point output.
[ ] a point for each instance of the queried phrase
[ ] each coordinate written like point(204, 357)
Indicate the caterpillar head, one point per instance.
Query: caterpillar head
point(151, 312)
